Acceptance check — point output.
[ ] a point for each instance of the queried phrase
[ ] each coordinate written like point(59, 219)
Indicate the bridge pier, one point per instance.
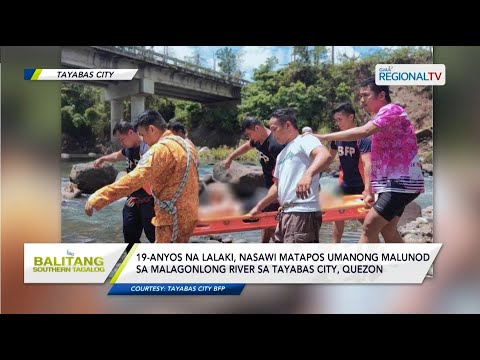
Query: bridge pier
point(157, 75)
point(138, 106)
point(116, 114)
point(136, 90)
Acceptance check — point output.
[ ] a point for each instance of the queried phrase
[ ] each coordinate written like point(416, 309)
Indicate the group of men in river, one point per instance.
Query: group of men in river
point(379, 160)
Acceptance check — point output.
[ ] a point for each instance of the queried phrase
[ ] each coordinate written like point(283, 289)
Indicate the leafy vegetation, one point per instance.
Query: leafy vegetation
point(222, 152)
point(310, 84)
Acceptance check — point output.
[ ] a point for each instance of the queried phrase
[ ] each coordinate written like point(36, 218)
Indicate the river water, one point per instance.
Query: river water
point(106, 226)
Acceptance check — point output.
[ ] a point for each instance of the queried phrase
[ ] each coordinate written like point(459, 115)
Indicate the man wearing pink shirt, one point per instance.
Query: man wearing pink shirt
point(396, 173)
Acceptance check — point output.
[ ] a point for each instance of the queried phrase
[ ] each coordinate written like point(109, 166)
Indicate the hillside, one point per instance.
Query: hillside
point(417, 101)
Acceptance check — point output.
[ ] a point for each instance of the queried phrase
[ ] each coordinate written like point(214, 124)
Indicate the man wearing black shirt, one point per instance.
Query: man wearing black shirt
point(267, 148)
point(139, 209)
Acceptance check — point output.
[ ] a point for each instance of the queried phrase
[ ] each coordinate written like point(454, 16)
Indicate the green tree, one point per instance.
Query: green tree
point(257, 100)
point(165, 106)
point(319, 54)
point(301, 55)
point(228, 63)
point(307, 101)
point(304, 73)
point(84, 113)
point(266, 71)
point(189, 113)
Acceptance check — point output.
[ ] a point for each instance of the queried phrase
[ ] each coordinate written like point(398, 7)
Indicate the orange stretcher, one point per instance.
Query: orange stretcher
point(348, 207)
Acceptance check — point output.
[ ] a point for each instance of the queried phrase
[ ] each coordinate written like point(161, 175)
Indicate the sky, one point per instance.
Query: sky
point(254, 56)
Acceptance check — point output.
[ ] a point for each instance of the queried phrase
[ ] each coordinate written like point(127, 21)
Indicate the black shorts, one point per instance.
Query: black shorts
point(351, 190)
point(391, 204)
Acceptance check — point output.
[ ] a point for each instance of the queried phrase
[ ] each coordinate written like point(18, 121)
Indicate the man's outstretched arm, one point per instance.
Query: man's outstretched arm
point(113, 157)
point(134, 180)
point(242, 149)
point(352, 134)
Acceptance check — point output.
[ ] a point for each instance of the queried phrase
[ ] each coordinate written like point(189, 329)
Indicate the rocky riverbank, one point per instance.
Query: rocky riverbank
point(420, 230)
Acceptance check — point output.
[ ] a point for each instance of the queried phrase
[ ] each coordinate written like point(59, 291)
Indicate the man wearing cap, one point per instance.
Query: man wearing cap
point(307, 130)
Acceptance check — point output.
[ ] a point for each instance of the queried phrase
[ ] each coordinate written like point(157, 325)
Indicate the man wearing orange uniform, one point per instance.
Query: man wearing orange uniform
point(170, 167)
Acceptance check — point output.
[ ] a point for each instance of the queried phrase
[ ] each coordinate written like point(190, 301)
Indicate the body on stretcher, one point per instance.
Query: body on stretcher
point(348, 207)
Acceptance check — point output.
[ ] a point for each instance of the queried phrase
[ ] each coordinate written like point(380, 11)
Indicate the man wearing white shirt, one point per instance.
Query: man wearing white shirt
point(298, 167)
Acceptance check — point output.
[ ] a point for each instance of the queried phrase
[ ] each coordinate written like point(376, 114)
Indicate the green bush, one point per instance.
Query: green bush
point(221, 153)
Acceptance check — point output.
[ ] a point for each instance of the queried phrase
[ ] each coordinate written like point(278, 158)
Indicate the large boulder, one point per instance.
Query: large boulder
point(88, 179)
point(244, 179)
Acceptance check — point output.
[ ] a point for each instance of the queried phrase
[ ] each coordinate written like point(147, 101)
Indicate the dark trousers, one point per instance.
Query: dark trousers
point(135, 219)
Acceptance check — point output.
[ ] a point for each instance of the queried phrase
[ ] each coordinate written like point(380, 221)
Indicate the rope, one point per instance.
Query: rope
point(282, 209)
point(169, 205)
point(132, 201)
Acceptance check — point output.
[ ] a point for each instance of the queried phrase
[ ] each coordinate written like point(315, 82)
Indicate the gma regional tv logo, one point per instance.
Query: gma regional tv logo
point(68, 263)
point(410, 74)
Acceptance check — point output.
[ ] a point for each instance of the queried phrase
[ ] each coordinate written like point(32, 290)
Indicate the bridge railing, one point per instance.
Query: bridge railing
point(151, 55)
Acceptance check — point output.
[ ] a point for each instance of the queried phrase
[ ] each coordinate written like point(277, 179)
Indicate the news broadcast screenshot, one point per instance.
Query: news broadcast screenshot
point(238, 179)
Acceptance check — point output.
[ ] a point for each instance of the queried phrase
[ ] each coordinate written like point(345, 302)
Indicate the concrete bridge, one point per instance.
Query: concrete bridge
point(157, 74)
